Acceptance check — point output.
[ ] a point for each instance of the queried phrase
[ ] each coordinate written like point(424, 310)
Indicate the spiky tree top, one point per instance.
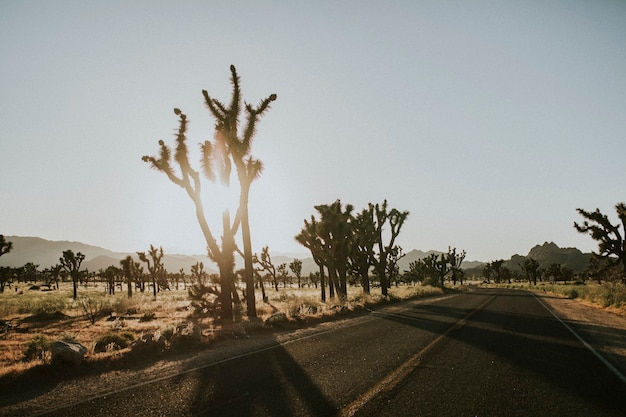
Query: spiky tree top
point(611, 242)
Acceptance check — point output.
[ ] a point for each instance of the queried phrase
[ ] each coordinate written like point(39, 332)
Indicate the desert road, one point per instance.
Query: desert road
point(487, 352)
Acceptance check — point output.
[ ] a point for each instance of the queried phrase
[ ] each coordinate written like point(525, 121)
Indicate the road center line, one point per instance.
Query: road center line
point(606, 363)
point(393, 378)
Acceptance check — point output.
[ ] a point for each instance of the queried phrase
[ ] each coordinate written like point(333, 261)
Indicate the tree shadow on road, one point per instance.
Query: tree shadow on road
point(266, 383)
point(530, 342)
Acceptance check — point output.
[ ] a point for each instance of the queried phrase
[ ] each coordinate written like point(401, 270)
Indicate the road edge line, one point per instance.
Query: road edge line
point(602, 359)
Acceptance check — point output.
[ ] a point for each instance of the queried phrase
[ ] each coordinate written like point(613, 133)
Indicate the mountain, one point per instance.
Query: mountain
point(46, 253)
point(549, 253)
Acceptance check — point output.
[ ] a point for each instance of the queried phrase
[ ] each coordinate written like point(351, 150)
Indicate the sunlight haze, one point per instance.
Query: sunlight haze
point(490, 122)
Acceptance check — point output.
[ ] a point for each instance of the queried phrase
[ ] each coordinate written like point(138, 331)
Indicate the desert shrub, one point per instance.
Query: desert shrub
point(572, 293)
point(93, 307)
point(204, 299)
point(299, 307)
point(185, 336)
point(113, 341)
point(148, 316)
point(38, 348)
point(168, 332)
point(124, 305)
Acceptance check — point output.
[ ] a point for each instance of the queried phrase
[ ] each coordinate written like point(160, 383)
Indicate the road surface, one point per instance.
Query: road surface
point(488, 352)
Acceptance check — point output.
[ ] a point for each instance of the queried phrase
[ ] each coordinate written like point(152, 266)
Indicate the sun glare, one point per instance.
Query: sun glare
point(220, 197)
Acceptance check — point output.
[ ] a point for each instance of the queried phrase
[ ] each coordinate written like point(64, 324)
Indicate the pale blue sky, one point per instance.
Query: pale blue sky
point(490, 121)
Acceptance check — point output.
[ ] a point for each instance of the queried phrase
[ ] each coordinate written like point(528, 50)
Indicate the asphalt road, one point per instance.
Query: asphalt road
point(483, 353)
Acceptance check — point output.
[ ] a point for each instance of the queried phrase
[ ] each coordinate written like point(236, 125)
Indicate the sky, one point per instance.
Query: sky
point(489, 121)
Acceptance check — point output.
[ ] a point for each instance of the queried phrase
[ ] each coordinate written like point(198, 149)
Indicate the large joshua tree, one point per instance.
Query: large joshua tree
point(611, 241)
point(71, 263)
point(237, 145)
point(310, 239)
point(395, 218)
point(216, 162)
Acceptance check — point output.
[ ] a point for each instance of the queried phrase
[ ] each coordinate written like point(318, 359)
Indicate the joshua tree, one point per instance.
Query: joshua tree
point(216, 161)
point(5, 272)
point(455, 260)
point(396, 219)
point(365, 239)
point(611, 242)
point(265, 264)
point(5, 246)
point(296, 268)
point(309, 238)
point(530, 267)
point(155, 268)
point(71, 263)
point(335, 231)
point(128, 268)
point(237, 145)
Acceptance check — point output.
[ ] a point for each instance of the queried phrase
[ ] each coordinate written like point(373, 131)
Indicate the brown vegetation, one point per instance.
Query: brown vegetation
point(32, 317)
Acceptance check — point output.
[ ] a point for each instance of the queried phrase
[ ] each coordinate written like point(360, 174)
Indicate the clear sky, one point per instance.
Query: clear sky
point(490, 121)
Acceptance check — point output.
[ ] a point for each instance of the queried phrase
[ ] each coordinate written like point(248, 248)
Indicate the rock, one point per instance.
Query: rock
point(276, 319)
point(68, 352)
point(148, 342)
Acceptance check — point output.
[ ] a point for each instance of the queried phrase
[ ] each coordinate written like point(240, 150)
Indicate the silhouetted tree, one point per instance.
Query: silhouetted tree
point(5, 246)
point(395, 219)
point(155, 268)
point(365, 239)
point(335, 231)
point(455, 260)
point(71, 263)
point(494, 269)
point(611, 241)
point(238, 145)
point(128, 269)
point(418, 271)
point(198, 274)
point(265, 264)
point(112, 274)
point(310, 239)
point(6, 276)
point(216, 161)
point(530, 267)
point(296, 268)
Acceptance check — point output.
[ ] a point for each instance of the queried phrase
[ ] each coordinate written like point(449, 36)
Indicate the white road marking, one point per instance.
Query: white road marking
point(602, 359)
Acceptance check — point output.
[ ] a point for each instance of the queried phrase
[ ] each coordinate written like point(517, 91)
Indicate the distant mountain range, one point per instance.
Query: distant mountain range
point(46, 253)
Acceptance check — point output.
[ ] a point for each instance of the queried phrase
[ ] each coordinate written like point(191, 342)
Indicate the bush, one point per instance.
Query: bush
point(38, 348)
point(185, 336)
point(113, 341)
point(148, 316)
point(93, 308)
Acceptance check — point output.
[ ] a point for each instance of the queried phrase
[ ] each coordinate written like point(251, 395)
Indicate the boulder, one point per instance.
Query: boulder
point(68, 352)
point(149, 342)
point(276, 319)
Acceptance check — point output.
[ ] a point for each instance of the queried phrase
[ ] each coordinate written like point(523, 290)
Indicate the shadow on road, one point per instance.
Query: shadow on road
point(516, 329)
point(268, 383)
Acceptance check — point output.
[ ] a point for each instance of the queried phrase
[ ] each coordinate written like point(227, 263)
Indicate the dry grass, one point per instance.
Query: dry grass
point(607, 295)
point(37, 313)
